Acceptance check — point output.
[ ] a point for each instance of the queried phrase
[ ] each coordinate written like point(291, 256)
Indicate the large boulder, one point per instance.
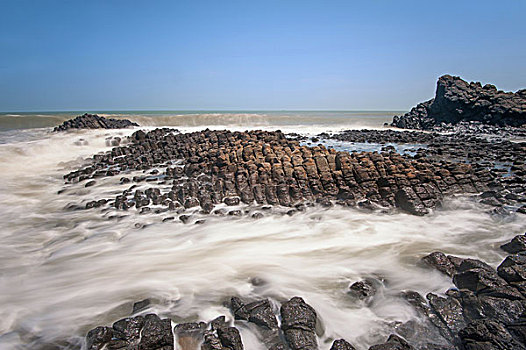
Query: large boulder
point(457, 100)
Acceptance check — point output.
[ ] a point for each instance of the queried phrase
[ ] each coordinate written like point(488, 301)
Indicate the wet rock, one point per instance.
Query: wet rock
point(362, 290)
point(394, 342)
point(485, 281)
point(441, 262)
point(98, 337)
point(513, 268)
point(488, 334)
point(407, 199)
point(212, 342)
point(299, 324)
point(258, 312)
point(156, 333)
point(90, 183)
point(516, 245)
point(129, 330)
point(449, 310)
point(93, 121)
point(229, 167)
point(140, 306)
point(231, 201)
point(341, 344)
point(230, 338)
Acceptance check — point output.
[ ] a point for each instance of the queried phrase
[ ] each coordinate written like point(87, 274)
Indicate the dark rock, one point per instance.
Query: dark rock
point(230, 338)
point(456, 100)
point(129, 330)
point(98, 337)
point(231, 200)
point(513, 268)
point(449, 311)
point(407, 200)
point(484, 281)
point(298, 321)
point(93, 121)
point(295, 313)
point(140, 306)
point(441, 262)
point(258, 312)
point(516, 245)
point(362, 290)
point(156, 333)
point(394, 342)
point(341, 344)
point(486, 335)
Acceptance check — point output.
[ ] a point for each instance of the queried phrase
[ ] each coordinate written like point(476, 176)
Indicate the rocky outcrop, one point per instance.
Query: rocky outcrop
point(211, 167)
point(151, 333)
point(93, 121)
point(457, 100)
point(488, 309)
point(493, 157)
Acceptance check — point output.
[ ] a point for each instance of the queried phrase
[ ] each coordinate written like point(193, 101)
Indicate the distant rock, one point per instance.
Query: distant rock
point(93, 121)
point(459, 101)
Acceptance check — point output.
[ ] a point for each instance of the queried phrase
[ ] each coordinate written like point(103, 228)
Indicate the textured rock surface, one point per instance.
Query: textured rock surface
point(202, 169)
point(497, 161)
point(299, 324)
point(93, 121)
point(457, 100)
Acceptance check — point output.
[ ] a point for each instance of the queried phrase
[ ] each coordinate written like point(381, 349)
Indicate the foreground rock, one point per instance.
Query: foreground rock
point(487, 311)
point(457, 100)
point(151, 333)
point(93, 121)
point(203, 169)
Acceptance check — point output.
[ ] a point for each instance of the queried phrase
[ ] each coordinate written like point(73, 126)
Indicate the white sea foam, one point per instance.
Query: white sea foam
point(64, 272)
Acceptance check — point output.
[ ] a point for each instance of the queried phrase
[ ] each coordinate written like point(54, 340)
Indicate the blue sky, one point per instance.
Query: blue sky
point(336, 55)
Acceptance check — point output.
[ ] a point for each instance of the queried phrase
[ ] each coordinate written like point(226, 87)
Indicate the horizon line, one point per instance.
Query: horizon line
point(200, 110)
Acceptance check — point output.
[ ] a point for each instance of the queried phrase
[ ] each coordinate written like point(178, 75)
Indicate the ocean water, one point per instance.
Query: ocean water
point(63, 272)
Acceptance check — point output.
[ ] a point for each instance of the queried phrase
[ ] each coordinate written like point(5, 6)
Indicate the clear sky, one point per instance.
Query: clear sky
point(336, 55)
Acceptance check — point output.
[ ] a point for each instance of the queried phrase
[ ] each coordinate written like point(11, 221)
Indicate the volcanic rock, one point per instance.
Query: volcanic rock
point(457, 100)
point(93, 121)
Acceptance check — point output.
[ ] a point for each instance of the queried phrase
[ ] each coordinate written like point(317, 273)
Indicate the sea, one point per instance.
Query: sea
point(64, 272)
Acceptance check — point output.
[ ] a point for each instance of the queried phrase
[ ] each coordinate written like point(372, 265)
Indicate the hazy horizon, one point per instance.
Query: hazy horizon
point(206, 55)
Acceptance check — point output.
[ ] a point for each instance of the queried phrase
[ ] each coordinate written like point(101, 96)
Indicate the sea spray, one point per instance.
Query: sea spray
point(65, 271)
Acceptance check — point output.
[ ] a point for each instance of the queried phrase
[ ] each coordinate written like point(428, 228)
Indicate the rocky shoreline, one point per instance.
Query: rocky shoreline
point(459, 101)
point(203, 169)
point(492, 152)
point(486, 310)
point(187, 176)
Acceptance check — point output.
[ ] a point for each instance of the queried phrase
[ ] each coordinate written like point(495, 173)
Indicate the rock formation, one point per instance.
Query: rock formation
point(457, 100)
point(93, 121)
point(202, 169)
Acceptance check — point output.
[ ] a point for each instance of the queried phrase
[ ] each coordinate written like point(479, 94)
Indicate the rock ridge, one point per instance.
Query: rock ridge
point(457, 100)
point(93, 121)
